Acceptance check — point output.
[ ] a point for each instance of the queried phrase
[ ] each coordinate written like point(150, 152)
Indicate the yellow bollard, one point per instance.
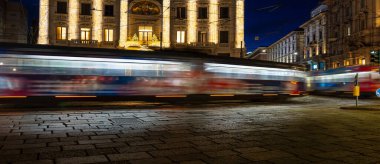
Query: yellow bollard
point(357, 91)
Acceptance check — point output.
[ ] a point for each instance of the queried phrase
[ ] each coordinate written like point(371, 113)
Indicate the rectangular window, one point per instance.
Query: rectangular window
point(224, 37)
point(108, 35)
point(181, 13)
point(61, 33)
point(224, 12)
point(108, 10)
point(85, 34)
point(180, 36)
point(202, 13)
point(62, 7)
point(362, 3)
point(85, 9)
point(202, 37)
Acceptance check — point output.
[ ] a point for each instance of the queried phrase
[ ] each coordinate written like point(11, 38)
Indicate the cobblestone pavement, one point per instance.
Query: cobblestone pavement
point(309, 130)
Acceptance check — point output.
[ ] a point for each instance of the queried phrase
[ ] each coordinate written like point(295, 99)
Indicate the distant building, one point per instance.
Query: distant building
point(315, 33)
point(211, 26)
point(261, 53)
point(15, 22)
point(353, 31)
point(288, 49)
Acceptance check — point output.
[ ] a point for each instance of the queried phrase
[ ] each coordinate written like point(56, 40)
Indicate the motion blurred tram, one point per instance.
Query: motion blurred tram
point(341, 81)
point(49, 71)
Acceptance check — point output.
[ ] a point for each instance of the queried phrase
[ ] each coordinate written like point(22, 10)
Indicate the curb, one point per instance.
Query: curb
point(368, 108)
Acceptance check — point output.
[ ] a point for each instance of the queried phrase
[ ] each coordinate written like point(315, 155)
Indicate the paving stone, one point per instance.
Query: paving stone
point(21, 146)
point(221, 153)
point(103, 137)
point(269, 155)
point(62, 143)
point(36, 162)
point(85, 142)
point(173, 145)
point(63, 154)
point(128, 156)
point(41, 150)
point(132, 149)
point(177, 151)
point(78, 147)
point(152, 160)
point(88, 159)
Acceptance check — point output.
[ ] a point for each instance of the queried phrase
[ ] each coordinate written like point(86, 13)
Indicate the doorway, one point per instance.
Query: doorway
point(145, 34)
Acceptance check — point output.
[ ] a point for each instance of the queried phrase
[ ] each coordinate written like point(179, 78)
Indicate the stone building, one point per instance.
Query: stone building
point(315, 31)
point(211, 26)
point(13, 22)
point(353, 31)
point(260, 53)
point(288, 49)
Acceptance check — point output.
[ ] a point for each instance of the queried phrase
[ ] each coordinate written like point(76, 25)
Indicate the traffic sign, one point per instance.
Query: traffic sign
point(378, 92)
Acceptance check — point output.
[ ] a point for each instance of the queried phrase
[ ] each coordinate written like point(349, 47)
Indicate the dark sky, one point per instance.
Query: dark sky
point(268, 19)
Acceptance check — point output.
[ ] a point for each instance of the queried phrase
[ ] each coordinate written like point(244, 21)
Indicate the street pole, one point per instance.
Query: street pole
point(161, 41)
point(241, 49)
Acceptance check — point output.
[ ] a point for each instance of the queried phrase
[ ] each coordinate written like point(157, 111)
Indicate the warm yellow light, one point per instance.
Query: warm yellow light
point(172, 96)
point(166, 24)
point(180, 36)
point(123, 23)
point(213, 21)
point(108, 35)
point(191, 21)
point(62, 97)
point(239, 23)
point(73, 19)
point(43, 32)
point(97, 18)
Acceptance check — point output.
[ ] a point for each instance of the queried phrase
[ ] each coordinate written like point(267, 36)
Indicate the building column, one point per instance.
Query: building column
point(192, 21)
point(213, 21)
point(124, 11)
point(73, 20)
point(166, 23)
point(43, 32)
point(97, 18)
point(239, 37)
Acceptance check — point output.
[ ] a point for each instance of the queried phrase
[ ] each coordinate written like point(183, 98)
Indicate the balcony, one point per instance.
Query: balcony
point(205, 45)
point(84, 43)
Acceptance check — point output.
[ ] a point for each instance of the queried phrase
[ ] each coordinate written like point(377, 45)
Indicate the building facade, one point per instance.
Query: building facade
point(315, 34)
point(288, 49)
point(210, 26)
point(353, 31)
point(260, 53)
point(13, 22)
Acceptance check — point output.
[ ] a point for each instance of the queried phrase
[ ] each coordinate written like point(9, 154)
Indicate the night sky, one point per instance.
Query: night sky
point(268, 19)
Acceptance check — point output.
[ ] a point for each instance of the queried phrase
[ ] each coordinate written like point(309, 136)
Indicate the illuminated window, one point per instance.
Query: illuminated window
point(363, 61)
point(61, 33)
point(202, 37)
point(346, 62)
point(108, 35)
point(180, 36)
point(85, 33)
